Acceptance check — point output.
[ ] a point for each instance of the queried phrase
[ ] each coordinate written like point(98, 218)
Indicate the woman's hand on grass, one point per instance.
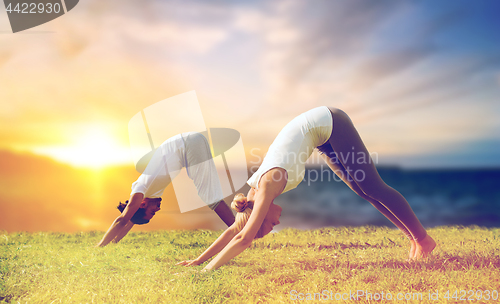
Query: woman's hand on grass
point(189, 263)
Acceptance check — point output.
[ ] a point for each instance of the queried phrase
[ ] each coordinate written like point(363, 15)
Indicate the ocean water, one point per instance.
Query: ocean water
point(438, 197)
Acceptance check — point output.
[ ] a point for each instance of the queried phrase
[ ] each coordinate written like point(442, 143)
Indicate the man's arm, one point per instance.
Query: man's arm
point(225, 213)
point(123, 232)
point(120, 223)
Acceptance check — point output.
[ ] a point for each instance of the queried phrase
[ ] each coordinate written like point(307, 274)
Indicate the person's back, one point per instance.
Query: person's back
point(295, 144)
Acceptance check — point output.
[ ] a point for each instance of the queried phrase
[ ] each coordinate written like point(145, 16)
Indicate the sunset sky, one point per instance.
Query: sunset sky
point(420, 79)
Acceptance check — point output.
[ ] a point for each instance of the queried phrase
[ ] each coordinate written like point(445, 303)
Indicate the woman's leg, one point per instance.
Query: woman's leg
point(340, 171)
point(356, 161)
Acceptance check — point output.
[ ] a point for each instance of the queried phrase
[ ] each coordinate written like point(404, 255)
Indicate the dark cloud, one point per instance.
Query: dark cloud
point(333, 29)
point(355, 33)
point(378, 67)
point(449, 84)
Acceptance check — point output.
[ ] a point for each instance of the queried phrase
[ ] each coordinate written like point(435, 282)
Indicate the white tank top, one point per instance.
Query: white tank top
point(294, 144)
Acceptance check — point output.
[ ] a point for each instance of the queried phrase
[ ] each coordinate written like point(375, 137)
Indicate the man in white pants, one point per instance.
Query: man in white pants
point(187, 150)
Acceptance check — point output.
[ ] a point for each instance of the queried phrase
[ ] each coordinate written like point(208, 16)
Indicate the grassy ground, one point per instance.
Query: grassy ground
point(288, 266)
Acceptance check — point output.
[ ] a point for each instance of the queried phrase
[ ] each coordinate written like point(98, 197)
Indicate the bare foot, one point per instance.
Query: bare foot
point(413, 247)
point(424, 248)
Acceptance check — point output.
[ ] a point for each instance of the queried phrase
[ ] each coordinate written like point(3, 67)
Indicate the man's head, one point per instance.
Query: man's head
point(146, 211)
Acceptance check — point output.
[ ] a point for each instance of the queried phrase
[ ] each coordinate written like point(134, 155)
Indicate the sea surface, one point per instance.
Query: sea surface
point(438, 197)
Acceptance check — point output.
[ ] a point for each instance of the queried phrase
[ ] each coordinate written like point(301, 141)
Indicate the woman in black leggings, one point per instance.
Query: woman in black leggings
point(332, 132)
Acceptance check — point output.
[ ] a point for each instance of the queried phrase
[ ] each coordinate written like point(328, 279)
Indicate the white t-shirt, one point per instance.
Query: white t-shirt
point(294, 144)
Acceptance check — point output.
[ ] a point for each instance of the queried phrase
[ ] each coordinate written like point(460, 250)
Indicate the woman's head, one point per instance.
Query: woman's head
point(146, 211)
point(244, 208)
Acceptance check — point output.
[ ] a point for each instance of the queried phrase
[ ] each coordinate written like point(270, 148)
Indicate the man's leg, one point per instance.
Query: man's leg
point(201, 169)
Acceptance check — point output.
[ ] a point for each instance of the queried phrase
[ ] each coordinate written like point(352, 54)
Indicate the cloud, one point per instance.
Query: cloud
point(429, 86)
point(329, 31)
point(378, 67)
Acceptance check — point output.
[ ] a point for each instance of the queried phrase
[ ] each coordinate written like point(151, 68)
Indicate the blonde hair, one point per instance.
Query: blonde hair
point(243, 209)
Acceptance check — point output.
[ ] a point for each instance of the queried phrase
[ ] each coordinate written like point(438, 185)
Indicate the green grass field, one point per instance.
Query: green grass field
point(289, 266)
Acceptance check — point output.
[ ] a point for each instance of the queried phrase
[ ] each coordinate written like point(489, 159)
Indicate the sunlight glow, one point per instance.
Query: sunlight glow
point(94, 149)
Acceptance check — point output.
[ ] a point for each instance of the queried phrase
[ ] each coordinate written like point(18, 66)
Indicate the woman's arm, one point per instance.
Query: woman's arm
point(271, 184)
point(120, 223)
point(215, 248)
point(251, 194)
point(123, 232)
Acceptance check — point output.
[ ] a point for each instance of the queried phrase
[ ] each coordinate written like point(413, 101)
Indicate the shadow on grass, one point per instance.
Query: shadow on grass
point(189, 245)
point(443, 262)
point(437, 263)
point(335, 245)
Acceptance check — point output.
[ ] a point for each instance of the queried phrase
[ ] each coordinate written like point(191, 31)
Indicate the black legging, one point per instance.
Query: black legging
point(360, 174)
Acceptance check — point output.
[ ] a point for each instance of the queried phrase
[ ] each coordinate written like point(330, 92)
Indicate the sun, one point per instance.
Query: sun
point(95, 148)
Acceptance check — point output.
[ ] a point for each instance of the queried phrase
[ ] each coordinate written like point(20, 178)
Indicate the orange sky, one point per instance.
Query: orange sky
point(38, 194)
